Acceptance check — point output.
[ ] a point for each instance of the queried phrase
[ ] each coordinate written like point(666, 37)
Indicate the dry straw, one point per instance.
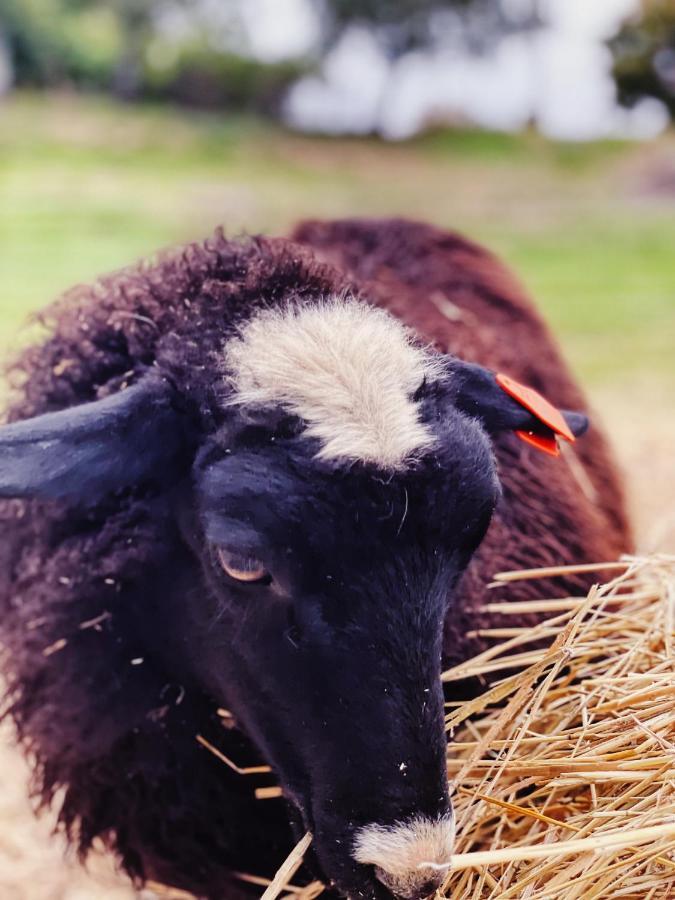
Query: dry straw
point(564, 772)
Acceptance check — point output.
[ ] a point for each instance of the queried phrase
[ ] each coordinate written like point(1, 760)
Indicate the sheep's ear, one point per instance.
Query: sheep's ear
point(503, 404)
point(86, 451)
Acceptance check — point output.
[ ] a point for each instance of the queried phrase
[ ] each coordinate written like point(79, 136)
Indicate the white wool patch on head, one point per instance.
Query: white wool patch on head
point(349, 370)
point(408, 855)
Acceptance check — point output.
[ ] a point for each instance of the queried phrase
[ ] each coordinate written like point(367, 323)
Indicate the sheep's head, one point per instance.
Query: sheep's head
point(326, 522)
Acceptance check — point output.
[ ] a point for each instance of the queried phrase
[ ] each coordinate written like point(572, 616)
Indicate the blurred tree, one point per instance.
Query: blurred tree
point(135, 20)
point(50, 45)
point(197, 52)
point(196, 75)
point(644, 55)
point(162, 49)
point(30, 46)
point(403, 25)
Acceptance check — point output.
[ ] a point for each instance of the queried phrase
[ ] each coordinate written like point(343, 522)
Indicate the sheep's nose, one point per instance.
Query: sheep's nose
point(410, 858)
point(413, 885)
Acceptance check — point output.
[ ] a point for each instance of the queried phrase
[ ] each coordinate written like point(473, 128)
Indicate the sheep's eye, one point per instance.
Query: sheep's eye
point(242, 568)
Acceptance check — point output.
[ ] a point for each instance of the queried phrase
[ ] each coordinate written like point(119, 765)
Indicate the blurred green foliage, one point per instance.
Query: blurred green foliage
point(196, 75)
point(122, 46)
point(644, 55)
point(115, 46)
point(50, 43)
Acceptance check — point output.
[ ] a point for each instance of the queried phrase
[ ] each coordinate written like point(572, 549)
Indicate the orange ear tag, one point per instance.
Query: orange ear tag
point(540, 408)
point(540, 441)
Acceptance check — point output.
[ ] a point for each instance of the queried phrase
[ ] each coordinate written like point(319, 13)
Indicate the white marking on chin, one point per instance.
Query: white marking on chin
point(407, 855)
point(346, 368)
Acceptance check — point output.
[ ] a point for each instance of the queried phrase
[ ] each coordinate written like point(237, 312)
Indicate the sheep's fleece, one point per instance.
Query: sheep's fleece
point(108, 727)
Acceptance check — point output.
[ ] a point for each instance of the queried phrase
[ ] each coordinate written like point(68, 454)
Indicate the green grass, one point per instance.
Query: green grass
point(87, 186)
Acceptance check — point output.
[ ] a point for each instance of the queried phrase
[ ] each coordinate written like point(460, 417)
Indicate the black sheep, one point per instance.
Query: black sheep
point(245, 485)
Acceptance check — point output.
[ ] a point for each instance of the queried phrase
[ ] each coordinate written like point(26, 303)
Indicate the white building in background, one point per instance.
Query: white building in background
point(559, 77)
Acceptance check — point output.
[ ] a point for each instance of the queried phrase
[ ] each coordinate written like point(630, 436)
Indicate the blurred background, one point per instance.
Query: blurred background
point(542, 128)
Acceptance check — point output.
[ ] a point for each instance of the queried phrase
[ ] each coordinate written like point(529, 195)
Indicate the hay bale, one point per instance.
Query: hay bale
point(564, 772)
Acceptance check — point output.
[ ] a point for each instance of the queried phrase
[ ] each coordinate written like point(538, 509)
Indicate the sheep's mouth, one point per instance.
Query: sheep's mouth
point(368, 887)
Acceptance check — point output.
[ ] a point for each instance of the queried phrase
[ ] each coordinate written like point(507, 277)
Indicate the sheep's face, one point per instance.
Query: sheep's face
point(337, 508)
point(326, 523)
point(329, 587)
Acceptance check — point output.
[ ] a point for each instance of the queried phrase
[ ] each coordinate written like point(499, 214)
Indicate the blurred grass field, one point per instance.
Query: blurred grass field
point(87, 186)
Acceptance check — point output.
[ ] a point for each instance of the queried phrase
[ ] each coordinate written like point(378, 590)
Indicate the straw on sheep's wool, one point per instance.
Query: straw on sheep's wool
point(564, 772)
